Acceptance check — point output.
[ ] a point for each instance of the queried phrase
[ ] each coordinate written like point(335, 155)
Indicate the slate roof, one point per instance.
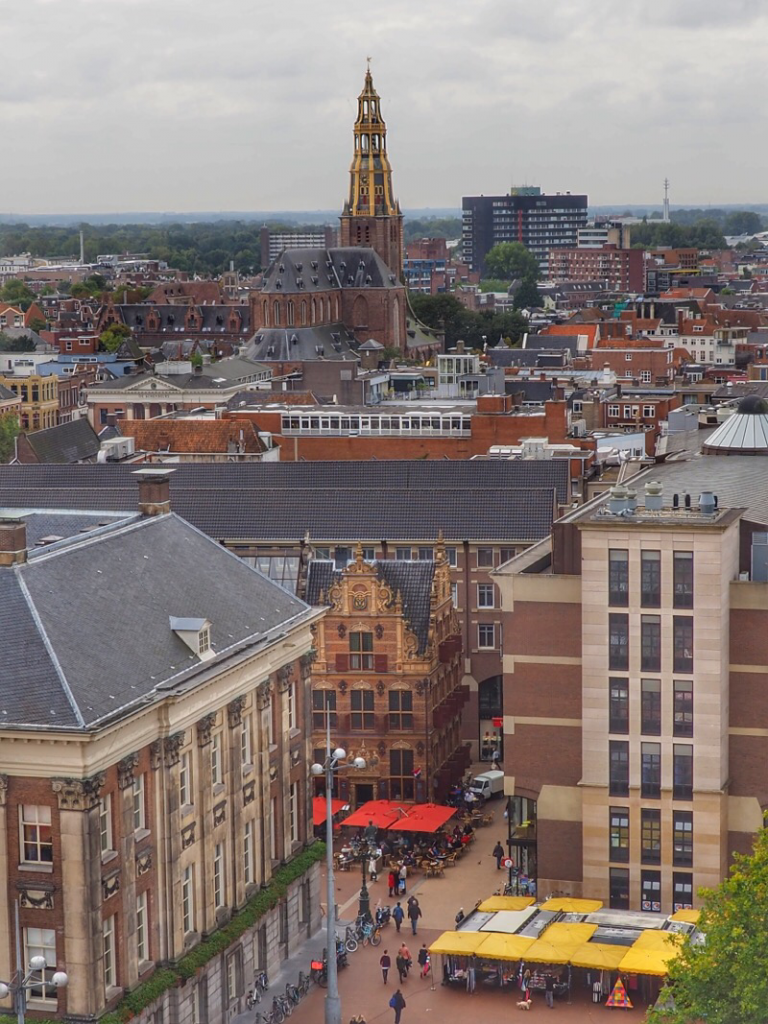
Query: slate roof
point(210, 380)
point(66, 443)
point(302, 344)
point(308, 271)
point(412, 580)
point(66, 525)
point(212, 320)
point(552, 342)
point(6, 395)
point(504, 500)
point(77, 662)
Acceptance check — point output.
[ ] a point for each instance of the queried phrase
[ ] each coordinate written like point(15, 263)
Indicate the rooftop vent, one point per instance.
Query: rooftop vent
point(281, 268)
point(314, 279)
point(654, 495)
point(313, 264)
point(299, 267)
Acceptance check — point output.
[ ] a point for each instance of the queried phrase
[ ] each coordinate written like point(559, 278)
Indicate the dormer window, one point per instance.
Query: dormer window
point(204, 640)
point(195, 633)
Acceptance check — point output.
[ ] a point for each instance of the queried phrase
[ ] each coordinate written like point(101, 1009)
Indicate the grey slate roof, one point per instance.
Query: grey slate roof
point(308, 271)
point(73, 662)
point(6, 395)
point(302, 344)
point(412, 580)
point(66, 443)
point(66, 525)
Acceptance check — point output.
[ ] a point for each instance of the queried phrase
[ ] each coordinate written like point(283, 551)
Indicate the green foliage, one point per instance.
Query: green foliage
point(725, 980)
point(444, 312)
point(431, 227)
point(494, 284)
point(196, 359)
point(114, 336)
point(22, 343)
point(17, 293)
point(37, 324)
point(527, 295)
point(9, 431)
point(702, 234)
point(509, 260)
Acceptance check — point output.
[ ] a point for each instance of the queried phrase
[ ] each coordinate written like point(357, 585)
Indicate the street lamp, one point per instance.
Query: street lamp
point(20, 983)
point(330, 767)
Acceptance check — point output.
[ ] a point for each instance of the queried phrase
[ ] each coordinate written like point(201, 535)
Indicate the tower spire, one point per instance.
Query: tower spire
point(665, 216)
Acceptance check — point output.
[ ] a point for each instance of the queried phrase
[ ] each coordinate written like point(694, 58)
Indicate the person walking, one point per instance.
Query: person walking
point(498, 853)
point(403, 877)
point(398, 915)
point(423, 959)
point(414, 913)
point(397, 1002)
point(402, 968)
point(385, 963)
point(405, 953)
point(549, 991)
point(392, 883)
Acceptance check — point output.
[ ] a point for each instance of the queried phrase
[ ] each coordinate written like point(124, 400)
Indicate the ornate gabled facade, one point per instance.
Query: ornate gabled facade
point(371, 215)
point(388, 674)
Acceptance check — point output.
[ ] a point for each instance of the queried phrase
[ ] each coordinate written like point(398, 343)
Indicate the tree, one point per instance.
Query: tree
point(527, 295)
point(17, 293)
point(508, 260)
point(21, 343)
point(724, 980)
point(742, 222)
point(114, 336)
point(494, 284)
point(9, 431)
point(37, 324)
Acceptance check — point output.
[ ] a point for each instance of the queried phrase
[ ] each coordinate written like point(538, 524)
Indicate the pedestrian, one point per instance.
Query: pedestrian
point(423, 958)
point(392, 883)
point(549, 990)
point(414, 913)
point(398, 1005)
point(405, 953)
point(460, 916)
point(527, 983)
point(398, 915)
point(373, 867)
point(402, 969)
point(498, 853)
point(403, 876)
point(385, 963)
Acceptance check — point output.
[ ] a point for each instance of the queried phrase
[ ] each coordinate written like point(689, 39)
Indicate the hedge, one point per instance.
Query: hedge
point(165, 978)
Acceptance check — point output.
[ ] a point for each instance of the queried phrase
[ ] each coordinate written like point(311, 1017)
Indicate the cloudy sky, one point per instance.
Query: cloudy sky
point(183, 105)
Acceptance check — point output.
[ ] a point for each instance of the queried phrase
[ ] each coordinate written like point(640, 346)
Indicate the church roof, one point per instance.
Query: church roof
point(308, 271)
point(331, 342)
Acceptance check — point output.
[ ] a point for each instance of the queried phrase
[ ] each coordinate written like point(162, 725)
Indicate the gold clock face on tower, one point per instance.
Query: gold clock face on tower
point(363, 179)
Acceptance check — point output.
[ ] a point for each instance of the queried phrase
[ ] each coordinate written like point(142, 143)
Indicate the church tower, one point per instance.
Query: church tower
point(371, 216)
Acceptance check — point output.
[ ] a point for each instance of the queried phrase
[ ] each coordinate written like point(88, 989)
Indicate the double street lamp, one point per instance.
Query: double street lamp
point(34, 977)
point(331, 766)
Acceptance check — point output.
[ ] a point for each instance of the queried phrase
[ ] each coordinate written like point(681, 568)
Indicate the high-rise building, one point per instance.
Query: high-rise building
point(371, 216)
point(541, 222)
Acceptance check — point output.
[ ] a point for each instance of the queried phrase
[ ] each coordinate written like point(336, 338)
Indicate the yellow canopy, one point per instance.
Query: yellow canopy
point(496, 903)
point(559, 942)
point(458, 943)
point(599, 956)
point(650, 953)
point(688, 916)
point(499, 946)
point(568, 905)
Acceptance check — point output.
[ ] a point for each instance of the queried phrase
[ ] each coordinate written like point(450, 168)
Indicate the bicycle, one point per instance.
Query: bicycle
point(272, 1017)
point(304, 984)
point(281, 1008)
point(350, 939)
point(292, 994)
point(368, 932)
point(260, 985)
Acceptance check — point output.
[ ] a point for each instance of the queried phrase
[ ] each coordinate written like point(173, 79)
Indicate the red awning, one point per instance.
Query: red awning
point(423, 818)
point(382, 813)
point(319, 808)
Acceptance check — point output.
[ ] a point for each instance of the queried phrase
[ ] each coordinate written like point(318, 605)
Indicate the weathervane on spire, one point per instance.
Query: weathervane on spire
point(369, 59)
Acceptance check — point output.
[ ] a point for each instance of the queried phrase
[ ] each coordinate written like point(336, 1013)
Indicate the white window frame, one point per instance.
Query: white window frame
point(291, 701)
point(481, 645)
point(293, 812)
point(483, 565)
point(649, 410)
point(188, 899)
point(186, 779)
point(246, 745)
point(35, 818)
point(452, 556)
point(217, 773)
point(142, 930)
point(105, 823)
point(109, 949)
point(41, 942)
point(273, 828)
point(455, 594)
point(219, 879)
point(204, 640)
point(248, 853)
point(614, 410)
point(139, 803)
point(483, 590)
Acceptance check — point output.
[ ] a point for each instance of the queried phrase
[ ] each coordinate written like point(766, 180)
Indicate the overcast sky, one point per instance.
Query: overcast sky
point(121, 105)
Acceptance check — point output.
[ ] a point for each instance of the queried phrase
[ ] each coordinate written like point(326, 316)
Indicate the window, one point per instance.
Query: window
point(401, 774)
point(485, 558)
point(426, 555)
point(619, 768)
point(618, 642)
point(485, 595)
point(188, 898)
point(650, 770)
point(619, 706)
point(217, 776)
point(41, 942)
point(293, 812)
point(486, 636)
point(650, 643)
point(273, 828)
point(682, 712)
point(105, 822)
point(682, 631)
point(342, 557)
point(649, 411)
point(323, 553)
point(139, 810)
point(248, 848)
point(613, 410)
point(682, 838)
point(142, 931)
point(682, 771)
point(233, 975)
point(645, 377)
point(650, 707)
point(682, 579)
point(246, 756)
point(36, 840)
point(291, 706)
point(618, 578)
point(218, 876)
point(455, 594)
point(682, 890)
point(362, 709)
point(650, 836)
point(323, 709)
point(185, 779)
point(619, 888)
point(361, 648)
point(400, 709)
point(507, 554)
point(650, 891)
point(650, 579)
point(110, 965)
point(204, 640)
point(403, 554)
point(619, 827)
point(451, 556)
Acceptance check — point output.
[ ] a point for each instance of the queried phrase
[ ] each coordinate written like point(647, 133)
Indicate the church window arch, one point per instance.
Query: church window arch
point(290, 313)
point(303, 313)
point(265, 313)
point(276, 313)
point(313, 312)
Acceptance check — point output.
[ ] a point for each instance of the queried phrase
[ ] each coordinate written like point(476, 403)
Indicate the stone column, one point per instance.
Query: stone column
point(206, 912)
point(261, 783)
point(128, 968)
point(234, 795)
point(7, 961)
point(81, 956)
point(165, 756)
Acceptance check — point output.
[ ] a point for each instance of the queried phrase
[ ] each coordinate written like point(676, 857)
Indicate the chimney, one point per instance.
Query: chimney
point(111, 419)
point(154, 491)
point(13, 541)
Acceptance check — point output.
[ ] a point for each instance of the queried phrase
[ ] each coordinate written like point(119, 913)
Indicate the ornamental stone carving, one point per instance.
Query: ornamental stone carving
point(78, 794)
point(143, 863)
point(305, 662)
point(37, 898)
point(110, 885)
point(3, 789)
point(204, 728)
point(249, 792)
point(155, 754)
point(263, 695)
point(235, 712)
point(172, 749)
point(126, 769)
point(284, 677)
point(219, 813)
point(188, 835)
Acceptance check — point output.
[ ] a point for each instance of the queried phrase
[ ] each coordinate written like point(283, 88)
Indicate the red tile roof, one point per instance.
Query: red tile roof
point(211, 437)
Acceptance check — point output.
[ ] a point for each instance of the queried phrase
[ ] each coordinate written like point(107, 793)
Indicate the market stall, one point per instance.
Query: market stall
point(495, 904)
point(319, 809)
